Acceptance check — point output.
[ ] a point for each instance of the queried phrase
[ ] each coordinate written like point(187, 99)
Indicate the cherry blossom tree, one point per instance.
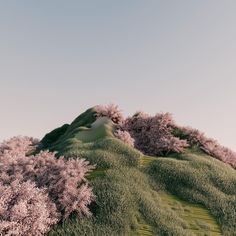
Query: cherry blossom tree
point(58, 184)
point(153, 134)
point(125, 137)
point(208, 145)
point(25, 209)
point(111, 111)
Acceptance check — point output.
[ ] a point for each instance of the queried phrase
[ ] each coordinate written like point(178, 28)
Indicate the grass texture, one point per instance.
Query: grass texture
point(184, 194)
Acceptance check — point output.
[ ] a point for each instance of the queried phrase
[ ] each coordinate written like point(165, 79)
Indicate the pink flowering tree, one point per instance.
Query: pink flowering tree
point(153, 134)
point(208, 145)
point(125, 137)
point(60, 183)
point(111, 111)
point(25, 209)
point(18, 144)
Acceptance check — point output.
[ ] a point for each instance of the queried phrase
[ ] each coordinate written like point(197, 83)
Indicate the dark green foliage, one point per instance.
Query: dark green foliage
point(78, 131)
point(53, 136)
point(179, 133)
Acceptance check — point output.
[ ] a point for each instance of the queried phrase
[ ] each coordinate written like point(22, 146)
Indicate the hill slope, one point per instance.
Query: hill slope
point(188, 193)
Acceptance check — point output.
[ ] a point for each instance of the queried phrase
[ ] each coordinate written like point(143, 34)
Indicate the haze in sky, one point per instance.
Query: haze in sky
point(58, 58)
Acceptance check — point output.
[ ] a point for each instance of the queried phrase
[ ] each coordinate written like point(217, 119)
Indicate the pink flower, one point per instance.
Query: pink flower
point(25, 209)
point(153, 134)
point(111, 111)
point(125, 137)
point(210, 146)
point(37, 191)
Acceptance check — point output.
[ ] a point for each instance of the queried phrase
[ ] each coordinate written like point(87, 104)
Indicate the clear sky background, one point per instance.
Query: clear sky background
point(58, 58)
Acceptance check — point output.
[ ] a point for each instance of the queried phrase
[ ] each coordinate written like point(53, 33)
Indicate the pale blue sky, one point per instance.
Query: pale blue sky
point(57, 58)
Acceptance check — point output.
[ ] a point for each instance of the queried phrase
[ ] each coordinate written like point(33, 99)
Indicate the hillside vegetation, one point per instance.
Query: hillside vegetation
point(146, 176)
point(187, 193)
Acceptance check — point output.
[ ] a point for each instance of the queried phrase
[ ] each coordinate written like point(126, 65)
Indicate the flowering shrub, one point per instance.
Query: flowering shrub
point(25, 209)
point(208, 145)
point(63, 181)
point(18, 144)
point(153, 134)
point(125, 137)
point(156, 135)
point(112, 111)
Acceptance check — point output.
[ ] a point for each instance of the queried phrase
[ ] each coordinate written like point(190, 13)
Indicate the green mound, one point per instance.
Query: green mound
point(187, 194)
point(84, 129)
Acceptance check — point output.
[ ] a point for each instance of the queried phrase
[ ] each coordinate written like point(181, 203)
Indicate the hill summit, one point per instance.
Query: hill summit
point(140, 175)
point(152, 176)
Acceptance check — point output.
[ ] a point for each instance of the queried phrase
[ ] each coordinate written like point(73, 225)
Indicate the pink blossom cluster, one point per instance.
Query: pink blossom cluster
point(18, 144)
point(111, 111)
point(210, 146)
point(125, 137)
point(57, 183)
point(153, 134)
point(25, 209)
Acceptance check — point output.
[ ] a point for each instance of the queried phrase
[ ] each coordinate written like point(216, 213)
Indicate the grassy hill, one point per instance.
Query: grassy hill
point(180, 194)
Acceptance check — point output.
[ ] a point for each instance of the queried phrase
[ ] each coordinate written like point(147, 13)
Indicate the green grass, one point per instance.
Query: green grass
point(62, 137)
point(186, 194)
point(146, 160)
point(200, 179)
point(144, 229)
point(96, 173)
point(198, 217)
